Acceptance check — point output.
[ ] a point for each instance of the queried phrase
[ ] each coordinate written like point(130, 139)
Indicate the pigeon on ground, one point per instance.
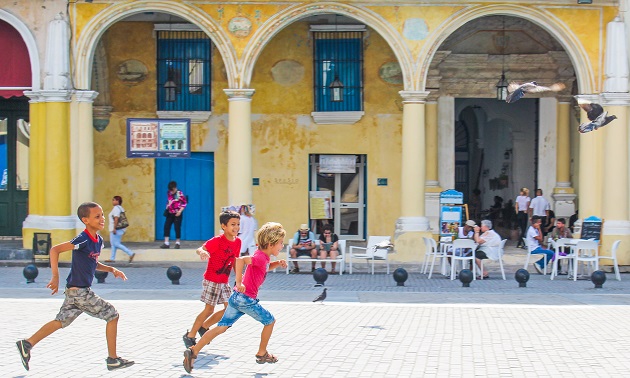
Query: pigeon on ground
point(597, 116)
point(516, 91)
point(321, 297)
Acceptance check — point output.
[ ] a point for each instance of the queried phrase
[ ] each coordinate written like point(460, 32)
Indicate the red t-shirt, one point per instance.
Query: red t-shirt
point(256, 273)
point(222, 255)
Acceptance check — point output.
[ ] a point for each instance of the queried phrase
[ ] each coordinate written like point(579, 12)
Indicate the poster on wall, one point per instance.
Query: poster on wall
point(320, 204)
point(158, 138)
point(450, 220)
point(337, 163)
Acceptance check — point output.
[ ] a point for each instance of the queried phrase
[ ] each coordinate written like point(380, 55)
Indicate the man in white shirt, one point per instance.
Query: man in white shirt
point(540, 207)
point(534, 240)
point(489, 244)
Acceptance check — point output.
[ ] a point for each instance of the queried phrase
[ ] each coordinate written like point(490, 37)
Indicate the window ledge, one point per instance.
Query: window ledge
point(195, 117)
point(337, 118)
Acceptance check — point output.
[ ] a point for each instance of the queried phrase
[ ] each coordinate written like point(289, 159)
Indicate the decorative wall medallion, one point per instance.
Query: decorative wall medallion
point(391, 73)
point(240, 27)
point(132, 71)
point(415, 29)
point(287, 72)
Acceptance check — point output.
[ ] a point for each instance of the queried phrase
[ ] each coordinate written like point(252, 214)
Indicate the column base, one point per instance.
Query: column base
point(616, 230)
point(564, 204)
point(432, 206)
point(61, 229)
point(412, 224)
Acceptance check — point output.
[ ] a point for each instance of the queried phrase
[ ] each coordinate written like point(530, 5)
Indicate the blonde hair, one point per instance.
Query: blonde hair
point(525, 190)
point(269, 234)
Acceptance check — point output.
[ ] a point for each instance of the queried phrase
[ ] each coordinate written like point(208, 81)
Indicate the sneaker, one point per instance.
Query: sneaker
point(201, 331)
point(189, 341)
point(165, 246)
point(25, 352)
point(117, 363)
point(295, 270)
point(538, 269)
point(176, 246)
point(189, 359)
point(131, 257)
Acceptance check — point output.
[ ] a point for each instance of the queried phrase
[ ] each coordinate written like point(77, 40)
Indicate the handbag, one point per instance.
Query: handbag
point(166, 212)
point(123, 222)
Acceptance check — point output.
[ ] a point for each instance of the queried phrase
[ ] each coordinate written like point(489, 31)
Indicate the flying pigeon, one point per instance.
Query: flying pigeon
point(597, 116)
point(518, 90)
point(321, 297)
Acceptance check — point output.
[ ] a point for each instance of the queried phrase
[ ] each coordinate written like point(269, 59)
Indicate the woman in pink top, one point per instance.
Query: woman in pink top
point(521, 206)
point(174, 214)
point(244, 300)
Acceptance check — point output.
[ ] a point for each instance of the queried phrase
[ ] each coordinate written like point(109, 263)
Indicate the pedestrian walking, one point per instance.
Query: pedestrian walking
point(221, 252)
point(244, 300)
point(118, 224)
point(86, 248)
point(521, 206)
point(174, 213)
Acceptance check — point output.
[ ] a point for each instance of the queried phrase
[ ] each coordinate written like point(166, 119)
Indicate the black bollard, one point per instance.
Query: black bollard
point(521, 276)
point(30, 272)
point(598, 278)
point(100, 276)
point(466, 277)
point(174, 273)
point(400, 276)
point(320, 275)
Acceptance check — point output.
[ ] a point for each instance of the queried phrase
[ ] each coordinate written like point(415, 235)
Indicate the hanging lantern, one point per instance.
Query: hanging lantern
point(170, 89)
point(336, 90)
point(502, 90)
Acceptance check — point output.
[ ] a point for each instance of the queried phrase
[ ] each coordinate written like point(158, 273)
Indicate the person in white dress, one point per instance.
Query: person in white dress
point(249, 225)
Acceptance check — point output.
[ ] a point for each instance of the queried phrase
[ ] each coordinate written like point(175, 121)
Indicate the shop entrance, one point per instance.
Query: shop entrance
point(346, 184)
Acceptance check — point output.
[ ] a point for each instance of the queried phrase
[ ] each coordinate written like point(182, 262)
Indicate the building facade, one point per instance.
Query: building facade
point(366, 109)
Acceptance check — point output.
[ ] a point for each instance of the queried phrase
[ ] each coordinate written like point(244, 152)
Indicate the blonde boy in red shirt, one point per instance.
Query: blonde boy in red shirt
point(270, 238)
point(221, 252)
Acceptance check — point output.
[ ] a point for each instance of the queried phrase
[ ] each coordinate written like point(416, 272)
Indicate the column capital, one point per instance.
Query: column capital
point(584, 98)
point(239, 94)
point(49, 96)
point(85, 96)
point(612, 99)
point(414, 97)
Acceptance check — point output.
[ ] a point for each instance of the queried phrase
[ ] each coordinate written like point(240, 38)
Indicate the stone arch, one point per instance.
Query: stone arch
point(31, 45)
point(565, 36)
point(286, 17)
point(95, 28)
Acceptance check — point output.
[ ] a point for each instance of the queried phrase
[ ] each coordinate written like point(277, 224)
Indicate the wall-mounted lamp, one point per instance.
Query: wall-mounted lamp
point(507, 154)
point(502, 84)
point(336, 90)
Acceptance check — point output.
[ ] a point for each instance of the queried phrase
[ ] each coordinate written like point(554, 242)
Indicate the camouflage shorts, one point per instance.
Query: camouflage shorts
point(82, 300)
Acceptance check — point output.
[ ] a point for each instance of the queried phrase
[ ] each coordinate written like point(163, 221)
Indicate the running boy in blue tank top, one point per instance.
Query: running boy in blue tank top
point(86, 248)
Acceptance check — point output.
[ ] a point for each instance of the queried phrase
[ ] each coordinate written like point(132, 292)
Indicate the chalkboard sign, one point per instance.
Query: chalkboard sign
point(591, 228)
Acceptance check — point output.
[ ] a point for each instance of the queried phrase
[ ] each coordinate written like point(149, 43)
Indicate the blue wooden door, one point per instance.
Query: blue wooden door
point(194, 177)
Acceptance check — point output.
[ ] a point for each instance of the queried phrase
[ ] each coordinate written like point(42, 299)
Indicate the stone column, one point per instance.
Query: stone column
point(239, 146)
point(413, 224)
point(82, 136)
point(563, 193)
point(591, 166)
point(433, 189)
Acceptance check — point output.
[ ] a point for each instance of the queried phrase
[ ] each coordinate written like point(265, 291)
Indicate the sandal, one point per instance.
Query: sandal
point(266, 358)
point(189, 359)
point(333, 272)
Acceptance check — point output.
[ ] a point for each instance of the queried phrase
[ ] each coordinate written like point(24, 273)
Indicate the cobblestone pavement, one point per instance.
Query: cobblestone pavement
point(368, 327)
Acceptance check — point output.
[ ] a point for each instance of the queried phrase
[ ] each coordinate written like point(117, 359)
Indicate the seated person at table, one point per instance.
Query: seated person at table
point(466, 231)
point(561, 232)
point(328, 245)
point(303, 245)
point(489, 244)
point(534, 239)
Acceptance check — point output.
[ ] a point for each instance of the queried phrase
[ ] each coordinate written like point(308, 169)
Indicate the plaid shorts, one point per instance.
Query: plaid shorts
point(82, 300)
point(214, 293)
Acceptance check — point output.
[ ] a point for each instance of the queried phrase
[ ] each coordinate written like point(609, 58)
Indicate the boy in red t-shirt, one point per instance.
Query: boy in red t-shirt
point(270, 238)
point(221, 252)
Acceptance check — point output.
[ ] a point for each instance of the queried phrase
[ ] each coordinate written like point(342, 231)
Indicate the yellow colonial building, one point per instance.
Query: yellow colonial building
point(367, 109)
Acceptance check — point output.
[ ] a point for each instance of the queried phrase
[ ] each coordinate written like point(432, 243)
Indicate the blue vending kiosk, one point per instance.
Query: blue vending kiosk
point(451, 212)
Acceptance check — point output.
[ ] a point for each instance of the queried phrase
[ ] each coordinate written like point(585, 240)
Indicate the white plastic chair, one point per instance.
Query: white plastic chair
point(459, 254)
point(371, 252)
point(436, 252)
point(613, 257)
point(341, 258)
point(501, 252)
point(586, 252)
point(560, 246)
point(428, 251)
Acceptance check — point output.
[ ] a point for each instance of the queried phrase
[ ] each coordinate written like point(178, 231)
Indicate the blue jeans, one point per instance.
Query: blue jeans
point(540, 251)
point(240, 304)
point(115, 240)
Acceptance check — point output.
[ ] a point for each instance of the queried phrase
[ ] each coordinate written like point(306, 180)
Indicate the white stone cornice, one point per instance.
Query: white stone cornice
point(414, 97)
point(612, 99)
point(55, 96)
point(34, 96)
point(587, 98)
point(239, 94)
point(337, 118)
point(85, 96)
point(195, 117)
point(50, 222)
point(412, 224)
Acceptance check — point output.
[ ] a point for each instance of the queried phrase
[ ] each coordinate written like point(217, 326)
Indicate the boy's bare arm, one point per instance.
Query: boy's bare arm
point(238, 266)
point(106, 268)
point(203, 253)
point(278, 263)
point(54, 264)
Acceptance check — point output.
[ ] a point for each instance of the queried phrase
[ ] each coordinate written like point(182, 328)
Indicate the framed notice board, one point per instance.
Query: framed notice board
point(592, 228)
